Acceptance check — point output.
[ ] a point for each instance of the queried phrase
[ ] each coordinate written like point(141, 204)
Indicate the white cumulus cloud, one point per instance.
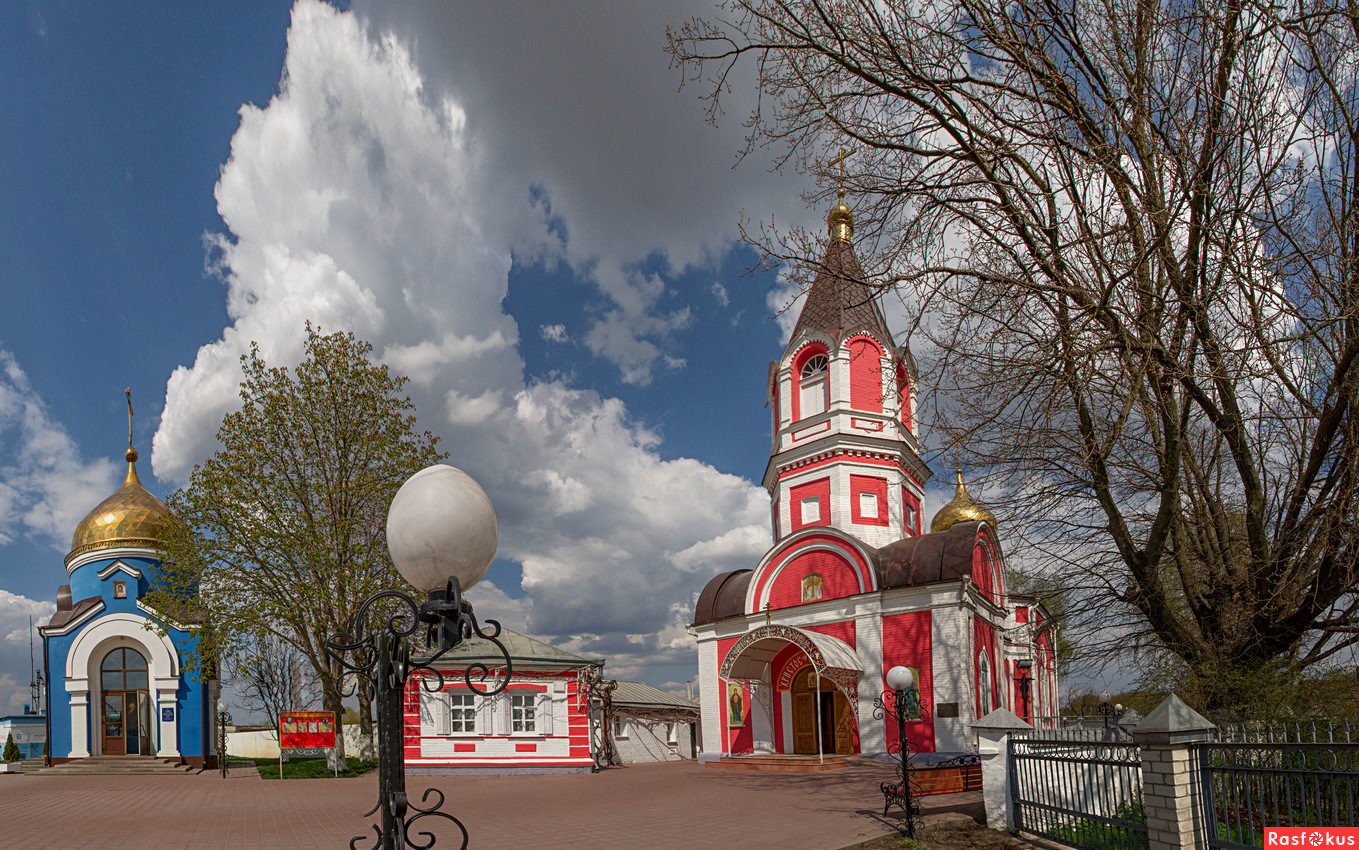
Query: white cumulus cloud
point(362, 198)
point(45, 486)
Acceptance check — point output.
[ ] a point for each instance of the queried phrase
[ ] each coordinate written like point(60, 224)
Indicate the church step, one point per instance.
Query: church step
point(781, 762)
point(106, 765)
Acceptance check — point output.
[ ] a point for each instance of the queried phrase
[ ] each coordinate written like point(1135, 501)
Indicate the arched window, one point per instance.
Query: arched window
point(812, 586)
point(123, 670)
point(904, 396)
point(984, 680)
point(813, 386)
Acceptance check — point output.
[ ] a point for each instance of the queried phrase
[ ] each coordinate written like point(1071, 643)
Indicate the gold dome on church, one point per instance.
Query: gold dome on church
point(841, 220)
point(130, 517)
point(961, 508)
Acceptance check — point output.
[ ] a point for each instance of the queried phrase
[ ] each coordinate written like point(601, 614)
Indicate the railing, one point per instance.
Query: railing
point(1250, 786)
point(1297, 732)
point(1079, 787)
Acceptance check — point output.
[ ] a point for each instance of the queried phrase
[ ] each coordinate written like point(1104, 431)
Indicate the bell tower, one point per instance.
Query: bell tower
point(844, 453)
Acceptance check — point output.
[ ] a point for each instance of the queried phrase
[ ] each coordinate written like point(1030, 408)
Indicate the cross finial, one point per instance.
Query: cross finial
point(840, 161)
point(768, 616)
point(128, 393)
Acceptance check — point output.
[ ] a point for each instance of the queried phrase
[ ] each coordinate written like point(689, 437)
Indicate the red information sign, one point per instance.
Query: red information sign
point(302, 729)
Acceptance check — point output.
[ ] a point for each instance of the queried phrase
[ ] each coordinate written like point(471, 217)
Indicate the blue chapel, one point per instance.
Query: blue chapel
point(117, 686)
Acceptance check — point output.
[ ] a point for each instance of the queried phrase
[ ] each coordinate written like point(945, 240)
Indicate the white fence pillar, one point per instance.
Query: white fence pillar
point(993, 746)
point(1170, 794)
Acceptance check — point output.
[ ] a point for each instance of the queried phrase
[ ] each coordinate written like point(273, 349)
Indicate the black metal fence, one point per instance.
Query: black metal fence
point(1249, 785)
point(1079, 787)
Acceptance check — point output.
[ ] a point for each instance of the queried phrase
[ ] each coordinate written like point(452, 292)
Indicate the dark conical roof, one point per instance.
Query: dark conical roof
point(839, 299)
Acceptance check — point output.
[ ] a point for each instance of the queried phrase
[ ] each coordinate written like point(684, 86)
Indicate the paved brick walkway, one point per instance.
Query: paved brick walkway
point(675, 805)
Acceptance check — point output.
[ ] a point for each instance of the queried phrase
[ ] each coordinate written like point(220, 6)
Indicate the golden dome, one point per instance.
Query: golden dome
point(841, 221)
point(962, 508)
point(130, 517)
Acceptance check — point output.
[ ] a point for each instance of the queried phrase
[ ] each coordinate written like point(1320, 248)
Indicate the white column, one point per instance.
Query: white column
point(709, 696)
point(868, 649)
point(169, 729)
point(80, 729)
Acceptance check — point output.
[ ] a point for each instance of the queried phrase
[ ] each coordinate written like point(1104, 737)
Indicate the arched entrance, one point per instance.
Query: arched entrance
point(125, 709)
point(836, 725)
point(831, 662)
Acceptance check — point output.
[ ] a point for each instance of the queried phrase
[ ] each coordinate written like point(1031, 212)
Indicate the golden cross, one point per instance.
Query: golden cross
point(840, 161)
point(128, 393)
point(767, 614)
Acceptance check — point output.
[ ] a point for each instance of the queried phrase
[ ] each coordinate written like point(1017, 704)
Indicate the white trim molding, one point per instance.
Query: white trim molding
point(119, 566)
point(105, 554)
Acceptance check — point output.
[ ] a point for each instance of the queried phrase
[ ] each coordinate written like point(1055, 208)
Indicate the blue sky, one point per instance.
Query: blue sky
point(514, 205)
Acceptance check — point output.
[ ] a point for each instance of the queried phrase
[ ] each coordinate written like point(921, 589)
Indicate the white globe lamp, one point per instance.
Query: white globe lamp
point(900, 679)
point(441, 526)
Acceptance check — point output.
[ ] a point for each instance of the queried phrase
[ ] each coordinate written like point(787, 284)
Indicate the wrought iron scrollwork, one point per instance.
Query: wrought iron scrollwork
point(402, 824)
point(904, 793)
point(380, 661)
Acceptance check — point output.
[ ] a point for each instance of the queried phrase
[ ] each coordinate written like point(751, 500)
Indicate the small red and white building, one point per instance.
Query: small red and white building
point(540, 723)
point(793, 652)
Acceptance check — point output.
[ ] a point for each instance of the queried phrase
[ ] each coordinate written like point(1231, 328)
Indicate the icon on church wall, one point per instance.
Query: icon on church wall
point(120, 590)
point(735, 705)
point(913, 695)
point(811, 587)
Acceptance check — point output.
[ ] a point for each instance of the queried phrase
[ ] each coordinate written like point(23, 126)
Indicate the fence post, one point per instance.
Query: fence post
point(993, 747)
point(1170, 798)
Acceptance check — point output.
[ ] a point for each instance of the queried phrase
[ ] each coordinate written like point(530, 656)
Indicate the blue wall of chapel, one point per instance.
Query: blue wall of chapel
point(190, 696)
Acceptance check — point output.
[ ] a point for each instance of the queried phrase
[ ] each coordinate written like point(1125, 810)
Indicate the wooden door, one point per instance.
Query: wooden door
point(113, 716)
point(844, 725)
point(804, 722)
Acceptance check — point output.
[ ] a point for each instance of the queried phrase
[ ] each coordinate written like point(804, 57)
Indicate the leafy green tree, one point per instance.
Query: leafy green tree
point(1129, 231)
point(281, 533)
point(11, 749)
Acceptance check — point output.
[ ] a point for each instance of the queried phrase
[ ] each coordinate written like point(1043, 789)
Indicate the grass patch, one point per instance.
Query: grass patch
point(311, 768)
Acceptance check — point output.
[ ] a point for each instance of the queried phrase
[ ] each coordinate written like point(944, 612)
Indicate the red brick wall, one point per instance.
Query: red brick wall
point(821, 490)
point(868, 484)
point(906, 642)
point(865, 375)
point(838, 578)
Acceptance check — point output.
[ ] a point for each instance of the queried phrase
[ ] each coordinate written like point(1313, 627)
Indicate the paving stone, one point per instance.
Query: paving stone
point(671, 805)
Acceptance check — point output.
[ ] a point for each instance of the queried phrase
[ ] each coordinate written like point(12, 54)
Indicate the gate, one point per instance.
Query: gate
point(1079, 787)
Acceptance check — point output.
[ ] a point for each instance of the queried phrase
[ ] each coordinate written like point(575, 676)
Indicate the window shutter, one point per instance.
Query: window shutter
point(544, 713)
point(427, 711)
point(442, 710)
point(485, 705)
point(503, 724)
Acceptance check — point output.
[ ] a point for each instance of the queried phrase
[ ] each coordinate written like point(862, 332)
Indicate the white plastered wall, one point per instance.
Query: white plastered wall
point(710, 688)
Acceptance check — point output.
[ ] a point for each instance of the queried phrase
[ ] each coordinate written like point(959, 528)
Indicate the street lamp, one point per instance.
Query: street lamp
point(441, 533)
point(1115, 710)
point(1022, 681)
point(899, 700)
point(223, 718)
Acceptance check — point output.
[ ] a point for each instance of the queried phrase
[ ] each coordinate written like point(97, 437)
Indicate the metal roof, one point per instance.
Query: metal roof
point(521, 648)
point(638, 695)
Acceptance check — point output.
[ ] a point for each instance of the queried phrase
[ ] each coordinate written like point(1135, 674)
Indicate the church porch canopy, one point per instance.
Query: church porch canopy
point(751, 656)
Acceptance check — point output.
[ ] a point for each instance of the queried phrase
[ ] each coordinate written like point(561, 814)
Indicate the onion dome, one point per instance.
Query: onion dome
point(841, 221)
point(130, 517)
point(961, 508)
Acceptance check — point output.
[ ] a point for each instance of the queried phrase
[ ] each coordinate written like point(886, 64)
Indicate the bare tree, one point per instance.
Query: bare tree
point(1128, 229)
point(270, 677)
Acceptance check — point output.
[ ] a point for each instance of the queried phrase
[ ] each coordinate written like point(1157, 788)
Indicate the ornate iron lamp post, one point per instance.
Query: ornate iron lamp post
point(1108, 710)
point(223, 718)
point(1023, 680)
point(441, 532)
point(899, 701)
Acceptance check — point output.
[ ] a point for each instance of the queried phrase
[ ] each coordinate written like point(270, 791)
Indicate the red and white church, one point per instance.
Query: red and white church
point(793, 652)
